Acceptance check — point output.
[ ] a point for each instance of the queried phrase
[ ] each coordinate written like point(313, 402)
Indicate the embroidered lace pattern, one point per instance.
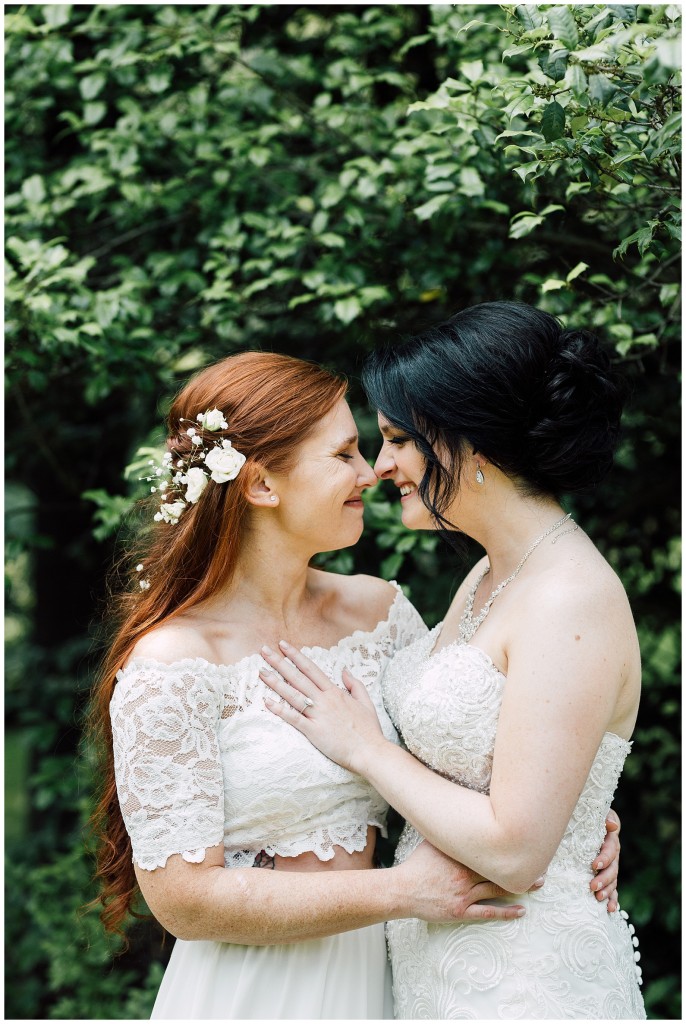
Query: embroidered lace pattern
point(567, 958)
point(199, 760)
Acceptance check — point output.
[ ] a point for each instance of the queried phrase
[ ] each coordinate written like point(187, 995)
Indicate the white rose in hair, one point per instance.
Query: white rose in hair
point(224, 462)
point(212, 420)
point(196, 482)
point(170, 511)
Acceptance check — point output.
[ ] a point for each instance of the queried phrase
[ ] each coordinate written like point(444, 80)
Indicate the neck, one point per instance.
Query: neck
point(270, 578)
point(511, 527)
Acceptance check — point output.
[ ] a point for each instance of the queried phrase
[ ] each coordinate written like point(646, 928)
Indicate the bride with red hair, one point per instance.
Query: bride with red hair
point(201, 784)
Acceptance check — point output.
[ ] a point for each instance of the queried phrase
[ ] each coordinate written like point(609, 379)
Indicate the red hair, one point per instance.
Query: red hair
point(271, 403)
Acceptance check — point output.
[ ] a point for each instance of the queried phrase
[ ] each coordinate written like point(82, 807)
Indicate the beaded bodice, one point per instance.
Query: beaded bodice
point(567, 957)
point(200, 760)
point(446, 706)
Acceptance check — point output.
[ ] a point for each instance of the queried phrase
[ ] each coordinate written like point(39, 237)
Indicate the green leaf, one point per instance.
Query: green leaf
point(391, 565)
point(471, 183)
point(331, 240)
point(590, 170)
point(553, 284)
point(624, 12)
point(524, 170)
point(668, 293)
point(641, 238)
point(578, 83)
point(523, 224)
point(111, 509)
point(553, 122)
point(529, 16)
point(554, 64)
point(33, 189)
point(94, 112)
point(563, 26)
point(347, 310)
point(428, 209)
point(601, 89)
point(91, 85)
point(472, 69)
point(576, 271)
point(56, 15)
point(669, 52)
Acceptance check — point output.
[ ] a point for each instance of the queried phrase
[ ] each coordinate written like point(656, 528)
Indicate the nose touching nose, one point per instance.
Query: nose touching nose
point(384, 464)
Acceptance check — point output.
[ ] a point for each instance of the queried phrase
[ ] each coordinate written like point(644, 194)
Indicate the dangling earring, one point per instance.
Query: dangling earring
point(479, 474)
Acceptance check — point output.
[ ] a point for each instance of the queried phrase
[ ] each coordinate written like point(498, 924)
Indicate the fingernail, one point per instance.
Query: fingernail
point(284, 645)
point(521, 913)
point(266, 650)
point(263, 674)
point(540, 881)
point(600, 864)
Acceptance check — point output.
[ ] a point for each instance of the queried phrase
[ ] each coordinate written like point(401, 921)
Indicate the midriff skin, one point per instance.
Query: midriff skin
point(341, 860)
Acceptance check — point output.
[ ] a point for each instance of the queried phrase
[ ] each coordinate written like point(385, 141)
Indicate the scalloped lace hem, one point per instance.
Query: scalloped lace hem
point(324, 849)
point(159, 860)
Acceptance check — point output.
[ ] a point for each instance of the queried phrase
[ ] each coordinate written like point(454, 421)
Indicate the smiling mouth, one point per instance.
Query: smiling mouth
point(407, 489)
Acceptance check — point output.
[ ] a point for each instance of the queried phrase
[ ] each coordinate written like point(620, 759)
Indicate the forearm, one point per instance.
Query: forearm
point(256, 907)
point(459, 821)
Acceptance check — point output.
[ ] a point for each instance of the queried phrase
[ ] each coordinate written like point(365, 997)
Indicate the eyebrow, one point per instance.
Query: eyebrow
point(353, 439)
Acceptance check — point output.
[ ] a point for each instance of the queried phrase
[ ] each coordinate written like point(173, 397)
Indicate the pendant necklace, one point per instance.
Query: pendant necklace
point(469, 625)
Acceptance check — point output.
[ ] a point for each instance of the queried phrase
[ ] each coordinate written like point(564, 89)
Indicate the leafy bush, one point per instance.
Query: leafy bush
point(188, 181)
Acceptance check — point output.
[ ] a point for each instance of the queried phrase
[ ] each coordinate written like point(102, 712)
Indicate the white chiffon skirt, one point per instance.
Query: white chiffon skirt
point(342, 977)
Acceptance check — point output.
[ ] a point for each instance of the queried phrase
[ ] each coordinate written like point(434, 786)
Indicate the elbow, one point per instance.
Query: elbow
point(518, 868)
point(183, 921)
point(516, 881)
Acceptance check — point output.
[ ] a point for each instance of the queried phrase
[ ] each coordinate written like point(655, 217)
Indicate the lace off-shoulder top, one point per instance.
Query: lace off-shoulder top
point(199, 760)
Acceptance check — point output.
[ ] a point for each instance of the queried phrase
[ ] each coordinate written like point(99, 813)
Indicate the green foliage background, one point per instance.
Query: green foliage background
point(186, 181)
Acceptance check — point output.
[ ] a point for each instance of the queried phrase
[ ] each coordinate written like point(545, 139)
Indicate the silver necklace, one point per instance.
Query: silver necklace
point(469, 625)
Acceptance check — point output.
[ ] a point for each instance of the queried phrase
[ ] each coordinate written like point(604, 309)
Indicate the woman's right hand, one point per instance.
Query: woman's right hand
point(442, 891)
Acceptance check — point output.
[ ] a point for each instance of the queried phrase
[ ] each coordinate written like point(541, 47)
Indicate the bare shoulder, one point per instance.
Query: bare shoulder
point(360, 601)
point(580, 590)
point(173, 641)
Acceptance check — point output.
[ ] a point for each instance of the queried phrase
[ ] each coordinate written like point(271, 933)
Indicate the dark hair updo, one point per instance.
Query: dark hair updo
point(541, 403)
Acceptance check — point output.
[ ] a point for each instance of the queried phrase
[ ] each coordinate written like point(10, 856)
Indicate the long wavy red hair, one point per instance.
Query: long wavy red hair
point(271, 403)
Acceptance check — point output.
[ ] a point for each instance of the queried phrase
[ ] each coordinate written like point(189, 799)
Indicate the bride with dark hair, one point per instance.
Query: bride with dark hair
point(517, 710)
point(201, 784)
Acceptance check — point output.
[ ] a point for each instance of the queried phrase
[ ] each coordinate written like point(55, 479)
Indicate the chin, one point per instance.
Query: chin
point(417, 519)
point(345, 539)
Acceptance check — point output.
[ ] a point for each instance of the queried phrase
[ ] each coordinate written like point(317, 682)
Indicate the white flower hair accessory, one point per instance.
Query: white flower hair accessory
point(187, 475)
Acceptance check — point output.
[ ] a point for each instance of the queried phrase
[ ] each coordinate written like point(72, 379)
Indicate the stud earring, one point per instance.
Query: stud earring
point(272, 497)
point(479, 474)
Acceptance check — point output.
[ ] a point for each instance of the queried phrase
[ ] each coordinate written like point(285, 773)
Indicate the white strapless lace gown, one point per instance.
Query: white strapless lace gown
point(567, 958)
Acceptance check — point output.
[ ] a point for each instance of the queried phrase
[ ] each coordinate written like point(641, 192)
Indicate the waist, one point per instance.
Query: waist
point(341, 860)
point(338, 847)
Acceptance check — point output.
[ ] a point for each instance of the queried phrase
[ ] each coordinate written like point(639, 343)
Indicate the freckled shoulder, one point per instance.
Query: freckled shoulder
point(173, 641)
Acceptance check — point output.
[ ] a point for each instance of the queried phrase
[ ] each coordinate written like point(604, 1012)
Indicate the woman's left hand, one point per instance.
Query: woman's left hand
point(606, 864)
point(341, 723)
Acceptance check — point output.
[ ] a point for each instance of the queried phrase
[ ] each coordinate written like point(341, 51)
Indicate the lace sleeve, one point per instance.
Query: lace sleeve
point(406, 623)
point(166, 759)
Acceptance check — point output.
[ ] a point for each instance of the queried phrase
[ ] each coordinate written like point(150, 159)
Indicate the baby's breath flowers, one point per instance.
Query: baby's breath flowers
point(187, 476)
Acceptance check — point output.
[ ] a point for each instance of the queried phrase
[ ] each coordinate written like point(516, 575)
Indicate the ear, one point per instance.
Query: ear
point(259, 489)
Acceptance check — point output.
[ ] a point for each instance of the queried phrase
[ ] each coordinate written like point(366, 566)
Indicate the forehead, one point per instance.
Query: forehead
point(336, 426)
